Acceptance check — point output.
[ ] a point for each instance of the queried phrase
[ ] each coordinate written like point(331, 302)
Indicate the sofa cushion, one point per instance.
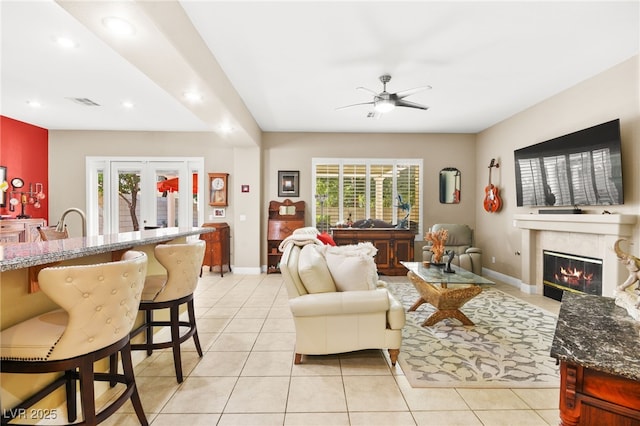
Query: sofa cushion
point(313, 270)
point(352, 266)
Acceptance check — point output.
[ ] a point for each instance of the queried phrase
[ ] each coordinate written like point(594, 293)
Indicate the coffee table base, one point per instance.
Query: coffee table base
point(447, 301)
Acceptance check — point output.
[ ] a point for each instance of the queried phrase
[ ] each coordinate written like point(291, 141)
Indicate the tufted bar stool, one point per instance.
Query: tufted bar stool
point(171, 291)
point(99, 307)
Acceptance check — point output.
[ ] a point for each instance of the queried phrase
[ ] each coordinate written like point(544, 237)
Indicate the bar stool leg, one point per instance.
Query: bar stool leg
point(87, 394)
point(192, 324)
point(175, 340)
point(127, 366)
point(149, 331)
point(70, 388)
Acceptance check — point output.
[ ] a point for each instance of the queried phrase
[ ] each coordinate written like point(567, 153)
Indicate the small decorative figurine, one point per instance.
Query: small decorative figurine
point(627, 294)
point(448, 269)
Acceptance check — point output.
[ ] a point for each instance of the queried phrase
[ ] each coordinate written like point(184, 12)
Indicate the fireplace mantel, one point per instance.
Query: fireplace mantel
point(603, 224)
point(568, 233)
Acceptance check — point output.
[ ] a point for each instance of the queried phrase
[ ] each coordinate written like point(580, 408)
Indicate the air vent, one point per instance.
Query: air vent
point(84, 101)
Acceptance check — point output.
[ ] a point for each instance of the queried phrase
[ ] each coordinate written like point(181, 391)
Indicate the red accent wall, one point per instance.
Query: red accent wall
point(24, 151)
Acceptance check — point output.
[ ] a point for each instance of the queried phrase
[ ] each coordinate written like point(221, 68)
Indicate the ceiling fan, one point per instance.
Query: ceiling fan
point(384, 101)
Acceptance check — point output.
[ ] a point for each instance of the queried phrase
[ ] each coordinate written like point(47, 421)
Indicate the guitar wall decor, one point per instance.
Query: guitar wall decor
point(492, 201)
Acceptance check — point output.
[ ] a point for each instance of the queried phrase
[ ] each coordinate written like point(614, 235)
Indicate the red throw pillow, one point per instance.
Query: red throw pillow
point(326, 239)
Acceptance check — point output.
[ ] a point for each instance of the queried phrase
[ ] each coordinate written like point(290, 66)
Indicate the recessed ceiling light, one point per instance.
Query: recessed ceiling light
point(128, 104)
point(34, 104)
point(226, 128)
point(118, 26)
point(65, 42)
point(193, 96)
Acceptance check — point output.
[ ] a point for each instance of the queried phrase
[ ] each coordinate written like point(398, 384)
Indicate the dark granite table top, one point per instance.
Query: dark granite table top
point(595, 333)
point(24, 255)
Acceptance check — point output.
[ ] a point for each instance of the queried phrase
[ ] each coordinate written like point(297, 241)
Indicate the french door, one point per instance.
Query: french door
point(131, 194)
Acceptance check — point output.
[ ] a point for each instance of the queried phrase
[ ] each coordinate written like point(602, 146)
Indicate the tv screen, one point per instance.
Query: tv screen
point(583, 168)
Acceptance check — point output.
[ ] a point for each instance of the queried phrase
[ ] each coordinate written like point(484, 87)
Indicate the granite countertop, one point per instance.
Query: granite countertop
point(24, 255)
point(595, 333)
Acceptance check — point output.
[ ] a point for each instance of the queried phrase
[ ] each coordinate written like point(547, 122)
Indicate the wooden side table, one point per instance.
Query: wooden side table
point(218, 250)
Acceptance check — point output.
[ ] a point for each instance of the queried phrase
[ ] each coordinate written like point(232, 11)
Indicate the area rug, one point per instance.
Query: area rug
point(507, 347)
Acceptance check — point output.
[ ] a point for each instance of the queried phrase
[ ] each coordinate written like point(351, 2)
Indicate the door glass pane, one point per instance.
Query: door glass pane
point(128, 200)
point(194, 204)
point(99, 197)
point(167, 199)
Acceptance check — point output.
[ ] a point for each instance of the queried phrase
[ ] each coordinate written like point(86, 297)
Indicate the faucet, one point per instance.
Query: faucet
point(60, 225)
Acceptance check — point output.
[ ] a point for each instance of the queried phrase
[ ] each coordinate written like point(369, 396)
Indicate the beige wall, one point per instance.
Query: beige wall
point(294, 151)
point(610, 95)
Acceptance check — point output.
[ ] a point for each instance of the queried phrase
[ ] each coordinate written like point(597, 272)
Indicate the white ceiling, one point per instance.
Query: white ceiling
point(294, 63)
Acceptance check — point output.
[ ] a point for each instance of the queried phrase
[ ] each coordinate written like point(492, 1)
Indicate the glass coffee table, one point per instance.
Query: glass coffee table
point(447, 292)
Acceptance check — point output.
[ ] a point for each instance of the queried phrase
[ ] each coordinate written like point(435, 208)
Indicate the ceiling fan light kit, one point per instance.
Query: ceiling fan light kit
point(384, 101)
point(384, 105)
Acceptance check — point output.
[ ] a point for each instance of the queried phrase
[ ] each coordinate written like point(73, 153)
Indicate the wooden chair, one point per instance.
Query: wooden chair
point(99, 307)
point(183, 263)
point(49, 233)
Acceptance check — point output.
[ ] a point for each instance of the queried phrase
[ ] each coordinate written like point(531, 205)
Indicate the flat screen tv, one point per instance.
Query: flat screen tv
point(583, 168)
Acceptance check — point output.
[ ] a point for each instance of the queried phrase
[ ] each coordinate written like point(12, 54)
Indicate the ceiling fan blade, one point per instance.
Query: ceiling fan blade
point(367, 90)
point(403, 103)
point(349, 106)
point(408, 92)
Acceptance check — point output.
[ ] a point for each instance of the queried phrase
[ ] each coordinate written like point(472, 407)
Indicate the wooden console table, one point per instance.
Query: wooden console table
point(394, 245)
point(596, 343)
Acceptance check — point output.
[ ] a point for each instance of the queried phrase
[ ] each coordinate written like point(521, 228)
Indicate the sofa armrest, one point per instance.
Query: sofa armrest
point(396, 316)
point(473, 250)
point(340, 303)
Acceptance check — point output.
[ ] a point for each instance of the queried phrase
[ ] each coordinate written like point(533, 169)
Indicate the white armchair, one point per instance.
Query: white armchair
point(343, 312)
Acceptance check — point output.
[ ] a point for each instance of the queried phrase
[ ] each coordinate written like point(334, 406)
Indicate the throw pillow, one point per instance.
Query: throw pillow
point(353, 267)
point(313, 270)
point(326, 239)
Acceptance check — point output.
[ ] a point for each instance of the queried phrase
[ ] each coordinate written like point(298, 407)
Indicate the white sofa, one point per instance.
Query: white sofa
point(341, 309)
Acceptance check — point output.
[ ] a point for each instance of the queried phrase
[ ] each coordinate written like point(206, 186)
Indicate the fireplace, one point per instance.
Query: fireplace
point(569, 272)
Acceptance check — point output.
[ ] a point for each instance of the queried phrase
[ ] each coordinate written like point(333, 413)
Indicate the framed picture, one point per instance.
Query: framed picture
point(288, 183)
point(218, 189)
point(3, 179)
point(219, 213)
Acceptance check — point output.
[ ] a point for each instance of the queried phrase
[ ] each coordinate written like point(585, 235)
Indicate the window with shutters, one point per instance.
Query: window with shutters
point(351, 189)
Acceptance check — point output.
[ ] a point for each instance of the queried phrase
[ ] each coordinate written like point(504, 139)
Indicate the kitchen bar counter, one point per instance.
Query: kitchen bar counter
point(597, 345)
point(24, 255)
point(595, 333)
point(19, 264)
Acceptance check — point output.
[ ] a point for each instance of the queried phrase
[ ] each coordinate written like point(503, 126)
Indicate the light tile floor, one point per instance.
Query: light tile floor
point(247, 375)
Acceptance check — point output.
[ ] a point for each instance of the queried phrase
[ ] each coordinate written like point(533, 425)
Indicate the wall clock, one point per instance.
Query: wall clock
point(17, 183)
point(218, 189)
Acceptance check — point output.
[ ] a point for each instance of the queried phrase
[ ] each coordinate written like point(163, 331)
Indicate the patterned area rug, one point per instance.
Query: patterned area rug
point(507, 347)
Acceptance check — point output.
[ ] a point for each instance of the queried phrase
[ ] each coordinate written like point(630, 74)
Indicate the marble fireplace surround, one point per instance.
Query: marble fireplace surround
point(591, 235)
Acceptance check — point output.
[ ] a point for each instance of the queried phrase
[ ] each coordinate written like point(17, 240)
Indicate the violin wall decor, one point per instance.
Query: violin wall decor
point(492, 201)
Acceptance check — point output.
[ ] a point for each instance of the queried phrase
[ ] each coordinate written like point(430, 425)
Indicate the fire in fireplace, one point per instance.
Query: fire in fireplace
point(568, 272)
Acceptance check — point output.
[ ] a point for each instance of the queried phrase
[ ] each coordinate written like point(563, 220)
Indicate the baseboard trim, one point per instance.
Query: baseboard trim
point(508, 279)
point(246, 270)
